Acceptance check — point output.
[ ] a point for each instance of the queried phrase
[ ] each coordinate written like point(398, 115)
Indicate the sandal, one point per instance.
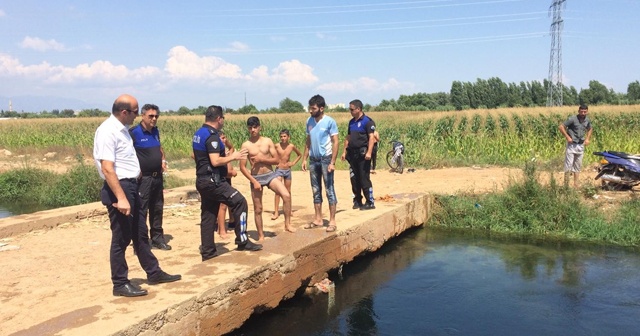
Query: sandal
point(331, 228)
point(312, 226)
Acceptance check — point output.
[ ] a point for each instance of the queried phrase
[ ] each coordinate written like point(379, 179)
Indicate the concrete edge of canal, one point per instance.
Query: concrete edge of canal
point(226, 307)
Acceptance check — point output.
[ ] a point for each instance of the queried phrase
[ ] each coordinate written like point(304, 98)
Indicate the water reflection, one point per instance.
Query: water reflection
point(442, 283)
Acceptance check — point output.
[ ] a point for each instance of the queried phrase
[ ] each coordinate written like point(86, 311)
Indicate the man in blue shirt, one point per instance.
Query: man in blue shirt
point(214, 188)
point(358, 149)
point(146, 141)
point(321, 147)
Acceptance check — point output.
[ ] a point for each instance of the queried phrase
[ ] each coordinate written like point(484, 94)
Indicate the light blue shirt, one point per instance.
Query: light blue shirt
point(320, 135)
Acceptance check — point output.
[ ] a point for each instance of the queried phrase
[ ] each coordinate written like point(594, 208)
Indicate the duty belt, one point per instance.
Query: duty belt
point(154, 174)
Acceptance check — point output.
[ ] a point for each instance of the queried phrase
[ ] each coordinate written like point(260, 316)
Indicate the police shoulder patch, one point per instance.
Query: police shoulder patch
point(214, 144)
point(373, 127)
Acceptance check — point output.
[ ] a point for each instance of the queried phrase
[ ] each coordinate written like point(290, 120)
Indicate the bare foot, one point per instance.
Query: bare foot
point(289, 228)
point(223, 235)
point(261, 239)
point(275, 215)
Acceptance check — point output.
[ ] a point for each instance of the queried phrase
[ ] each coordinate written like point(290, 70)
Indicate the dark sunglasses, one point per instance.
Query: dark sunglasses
point(153, 116)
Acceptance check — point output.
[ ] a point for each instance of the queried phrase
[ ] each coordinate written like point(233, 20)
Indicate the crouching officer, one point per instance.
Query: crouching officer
point(211, 182)
point(358, 147)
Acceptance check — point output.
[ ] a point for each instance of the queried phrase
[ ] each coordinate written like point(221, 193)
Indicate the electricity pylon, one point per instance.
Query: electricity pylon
point(554, 94)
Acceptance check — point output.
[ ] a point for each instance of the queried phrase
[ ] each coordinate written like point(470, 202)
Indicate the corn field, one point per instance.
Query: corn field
point(432, 139)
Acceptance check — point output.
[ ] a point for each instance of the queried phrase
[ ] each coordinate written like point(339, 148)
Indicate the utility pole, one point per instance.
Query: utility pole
point(554, 94)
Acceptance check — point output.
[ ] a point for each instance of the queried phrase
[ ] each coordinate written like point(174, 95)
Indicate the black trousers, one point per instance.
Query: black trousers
point(124, 230)
point(360, 173)
point(152, 201)
point(211, 195)
point(374, 156)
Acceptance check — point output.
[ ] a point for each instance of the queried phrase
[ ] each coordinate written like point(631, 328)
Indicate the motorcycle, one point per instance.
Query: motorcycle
point(618, 170)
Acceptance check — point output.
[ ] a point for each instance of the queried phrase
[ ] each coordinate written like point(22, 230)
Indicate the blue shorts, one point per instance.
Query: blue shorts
point(284, 173)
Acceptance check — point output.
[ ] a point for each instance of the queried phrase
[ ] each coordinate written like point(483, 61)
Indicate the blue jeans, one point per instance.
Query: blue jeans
point(320, 167)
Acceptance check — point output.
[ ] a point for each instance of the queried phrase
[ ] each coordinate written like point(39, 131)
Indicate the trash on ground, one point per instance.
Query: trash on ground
point(325, 285)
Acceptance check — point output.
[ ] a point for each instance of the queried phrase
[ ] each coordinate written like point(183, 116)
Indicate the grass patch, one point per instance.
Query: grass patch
point(552, 210)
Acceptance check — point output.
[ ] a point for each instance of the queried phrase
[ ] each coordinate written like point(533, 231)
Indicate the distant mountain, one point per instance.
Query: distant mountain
point(43, 103)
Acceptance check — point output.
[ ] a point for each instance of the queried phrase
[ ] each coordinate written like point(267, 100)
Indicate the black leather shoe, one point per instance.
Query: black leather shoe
point(357, 205)
point(129, 290)
point(161, 246)
point(249, 246)
point(163, 277)
point(368, 206)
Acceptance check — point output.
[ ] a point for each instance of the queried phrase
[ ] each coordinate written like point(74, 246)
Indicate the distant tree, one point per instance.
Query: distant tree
point(248, 109)
point(633, 91)
point(183, 110)
point(288, 105)
point(538, 94)
point(597, 93)
point(67, 113)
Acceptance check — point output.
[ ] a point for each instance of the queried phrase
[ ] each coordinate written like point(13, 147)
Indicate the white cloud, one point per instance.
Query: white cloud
point(98, 71)
point(185, 64)
point(293, 72)
point(234, 47)
point(39, 44)
point(363, 84)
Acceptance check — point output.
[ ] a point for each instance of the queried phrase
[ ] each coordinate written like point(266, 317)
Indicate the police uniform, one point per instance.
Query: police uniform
point(214, 188)
point(360, 169)
point(148, 150)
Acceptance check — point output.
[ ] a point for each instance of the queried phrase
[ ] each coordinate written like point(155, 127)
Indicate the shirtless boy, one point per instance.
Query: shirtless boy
point(222, 212)
point(283, 170)
point(263, 155)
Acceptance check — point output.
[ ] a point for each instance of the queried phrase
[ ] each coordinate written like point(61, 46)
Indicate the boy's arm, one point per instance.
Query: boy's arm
point(305, 156)
point(246, 172)
point(298, 155)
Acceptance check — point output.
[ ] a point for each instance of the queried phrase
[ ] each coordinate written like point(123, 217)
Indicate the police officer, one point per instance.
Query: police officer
point(146, 141)
point(358, 147)
point(211, 182)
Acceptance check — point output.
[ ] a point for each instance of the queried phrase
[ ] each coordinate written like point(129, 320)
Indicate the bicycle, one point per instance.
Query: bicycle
point(395, 157)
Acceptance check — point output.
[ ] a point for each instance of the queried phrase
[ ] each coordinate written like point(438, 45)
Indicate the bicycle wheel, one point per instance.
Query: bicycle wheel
point(400, 160)
point(390, 160)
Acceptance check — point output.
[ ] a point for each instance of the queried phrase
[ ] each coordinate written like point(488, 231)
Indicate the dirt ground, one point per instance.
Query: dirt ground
point(38, 298)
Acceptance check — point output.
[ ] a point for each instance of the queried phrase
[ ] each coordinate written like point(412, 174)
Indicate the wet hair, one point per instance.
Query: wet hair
point(148, 107)
point(253, 121)
point(285, 131)
point(583, 107)
point(213, 112)
point(317, 100)
point(357, 103)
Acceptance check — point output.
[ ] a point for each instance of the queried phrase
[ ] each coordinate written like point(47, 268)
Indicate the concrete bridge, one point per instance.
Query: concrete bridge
point(57, 280)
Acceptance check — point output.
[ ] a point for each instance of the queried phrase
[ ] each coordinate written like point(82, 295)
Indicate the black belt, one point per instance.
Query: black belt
point(132, 180)
point(154, 174)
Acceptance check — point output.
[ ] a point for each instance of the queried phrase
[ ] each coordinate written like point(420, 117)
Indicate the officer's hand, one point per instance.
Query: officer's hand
point(123, 206)
point(241, 154)
point(367, 157)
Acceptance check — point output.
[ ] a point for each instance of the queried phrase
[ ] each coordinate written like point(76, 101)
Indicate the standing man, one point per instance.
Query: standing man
point(146, 141)
point(321, 147)
point(358, 148)
point(211, 182)
point(577, 132)
point(118, 165)
point(263, 155)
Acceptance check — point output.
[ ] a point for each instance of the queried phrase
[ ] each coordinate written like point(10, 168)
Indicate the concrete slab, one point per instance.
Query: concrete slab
point(57, 281)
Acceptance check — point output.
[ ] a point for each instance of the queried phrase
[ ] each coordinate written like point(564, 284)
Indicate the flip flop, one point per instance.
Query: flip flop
point(331, 228)
point(312, 226)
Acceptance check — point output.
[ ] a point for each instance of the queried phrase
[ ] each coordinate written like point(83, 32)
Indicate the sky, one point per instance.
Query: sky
point(200, 53)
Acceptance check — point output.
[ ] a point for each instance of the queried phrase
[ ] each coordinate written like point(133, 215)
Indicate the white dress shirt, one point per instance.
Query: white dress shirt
point(112, 142)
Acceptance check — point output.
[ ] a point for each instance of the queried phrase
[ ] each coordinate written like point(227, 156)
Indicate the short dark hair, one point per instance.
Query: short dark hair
point(357, 103)
point(285, 131)
point(148, 107)
point(317, 100)
point(213, 112)
point(583, 107)
point(253, 121)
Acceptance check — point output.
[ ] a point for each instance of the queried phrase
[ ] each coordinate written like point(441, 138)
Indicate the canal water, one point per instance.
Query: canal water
point(434, 282)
